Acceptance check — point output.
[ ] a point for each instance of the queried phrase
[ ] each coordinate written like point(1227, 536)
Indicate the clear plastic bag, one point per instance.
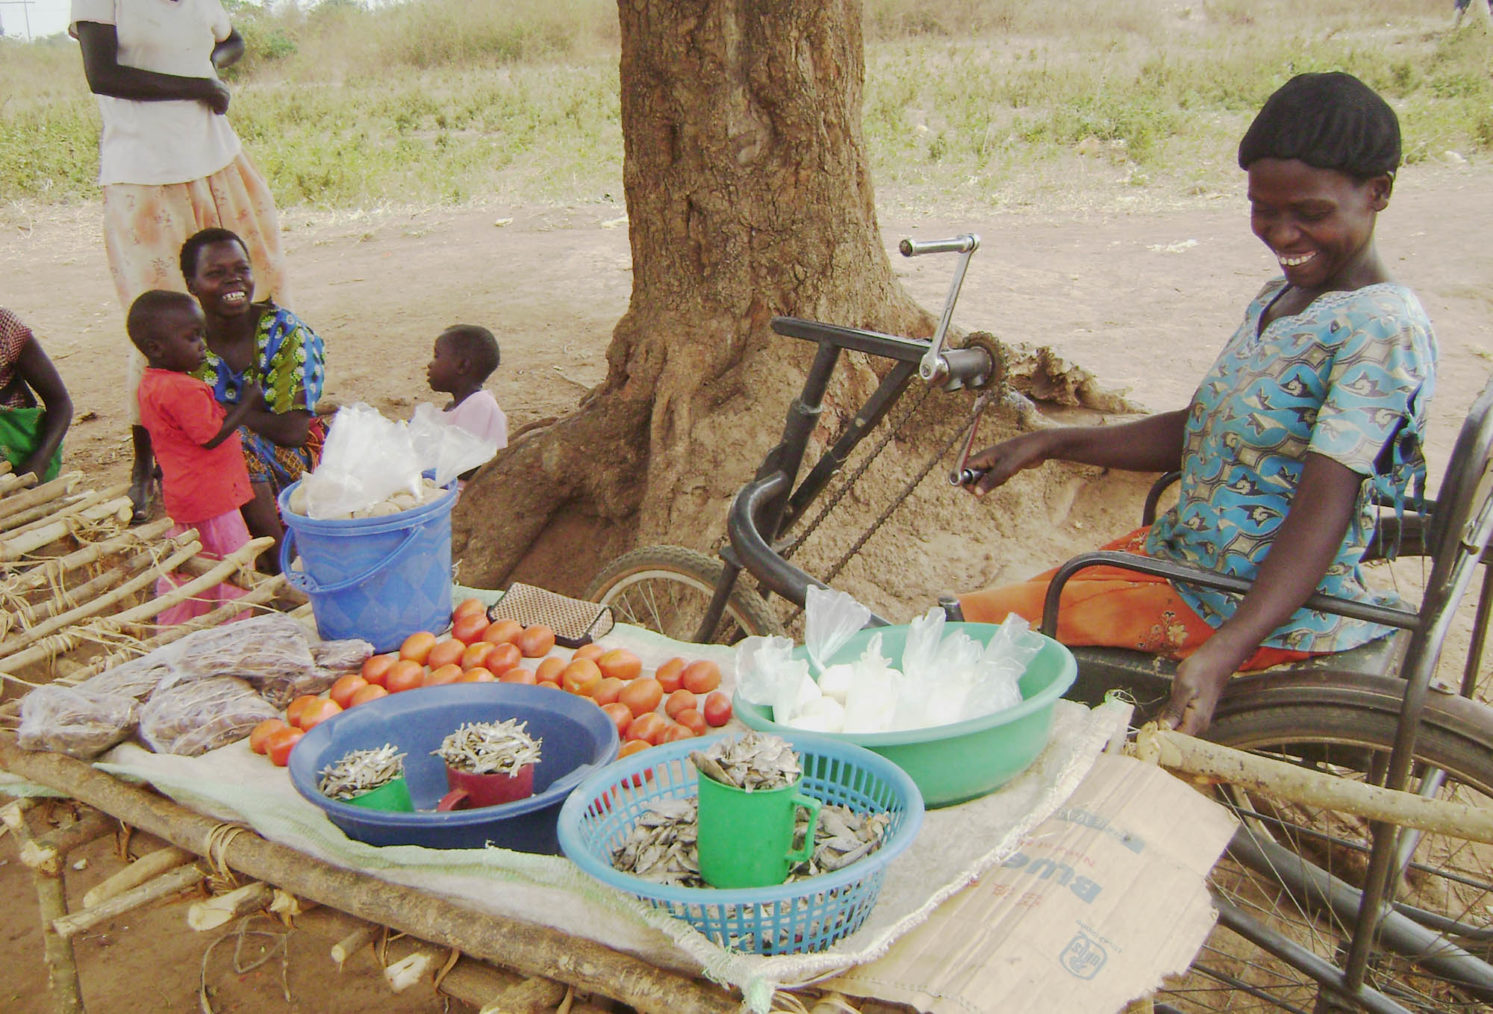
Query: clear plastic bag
point(367, 459)
point(75, 721)
point(201, 715)
point(268, 651)
point(830, 619)
point(448, 451)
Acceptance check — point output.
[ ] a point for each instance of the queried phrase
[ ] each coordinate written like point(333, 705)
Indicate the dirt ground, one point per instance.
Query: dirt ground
point(1140, 298)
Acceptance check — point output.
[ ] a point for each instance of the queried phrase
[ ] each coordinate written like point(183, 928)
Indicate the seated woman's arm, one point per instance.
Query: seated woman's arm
point(1152, 444)
point(107, 76)
point(1303, 548)
point(288, 429)
point(41, 376)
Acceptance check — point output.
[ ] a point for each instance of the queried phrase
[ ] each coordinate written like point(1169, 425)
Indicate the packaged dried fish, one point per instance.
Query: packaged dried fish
point(136, 678)
point(80, 723)
point(341, 656)
point(269, 648)
point(192, 718)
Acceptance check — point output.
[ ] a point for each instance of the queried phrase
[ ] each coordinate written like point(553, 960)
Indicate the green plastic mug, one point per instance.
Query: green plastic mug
point(746, 838)
point(393, 796)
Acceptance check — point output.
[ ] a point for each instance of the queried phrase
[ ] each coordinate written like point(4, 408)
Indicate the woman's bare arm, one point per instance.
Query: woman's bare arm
point(36, 369)
point(107, 76)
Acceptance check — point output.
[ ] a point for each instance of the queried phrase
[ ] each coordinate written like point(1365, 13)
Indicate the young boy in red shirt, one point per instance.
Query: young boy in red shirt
point(203, 477)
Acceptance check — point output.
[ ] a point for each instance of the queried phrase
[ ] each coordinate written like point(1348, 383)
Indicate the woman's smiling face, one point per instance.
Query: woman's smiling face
point(1319, 223)
point(224, 280)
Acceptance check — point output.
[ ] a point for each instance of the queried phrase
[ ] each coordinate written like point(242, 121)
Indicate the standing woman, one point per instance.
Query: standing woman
point(257, 344)
point(169, 163)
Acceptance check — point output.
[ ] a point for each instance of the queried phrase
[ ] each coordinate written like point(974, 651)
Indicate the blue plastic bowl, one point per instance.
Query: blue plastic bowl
point(963, 761)
point(578, 738)
point(805, 915)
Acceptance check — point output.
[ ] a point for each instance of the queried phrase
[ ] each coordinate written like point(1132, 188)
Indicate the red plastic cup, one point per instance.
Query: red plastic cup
point(470, 791)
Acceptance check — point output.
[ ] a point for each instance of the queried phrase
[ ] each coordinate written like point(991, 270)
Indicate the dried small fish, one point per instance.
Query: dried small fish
point(361, 771)
point(490, 747)
point(751, 762)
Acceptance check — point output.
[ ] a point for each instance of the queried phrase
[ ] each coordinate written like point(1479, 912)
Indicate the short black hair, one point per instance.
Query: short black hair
point(146, 312)
point(206, 237)
point(477, 344)
point(1329, 121)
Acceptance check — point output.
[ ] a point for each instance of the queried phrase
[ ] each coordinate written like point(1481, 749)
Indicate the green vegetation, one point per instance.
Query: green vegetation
point(975, 103)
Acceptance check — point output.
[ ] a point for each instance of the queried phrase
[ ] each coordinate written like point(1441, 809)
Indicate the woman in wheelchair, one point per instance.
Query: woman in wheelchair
point(1311, 417)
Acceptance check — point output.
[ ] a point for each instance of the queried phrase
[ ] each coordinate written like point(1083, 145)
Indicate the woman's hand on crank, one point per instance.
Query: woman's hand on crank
point(996, 464)
point(1197, 686)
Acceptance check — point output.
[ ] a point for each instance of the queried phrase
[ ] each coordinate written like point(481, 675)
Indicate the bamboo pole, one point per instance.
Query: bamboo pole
point(354, 942)
point(476, 983)
point(1199, 758)
point(78, 506)
point(47, 852)
point(19, 544)
point(51, 904)
point(529, 948)
point(531, 996)
point(54, 568)
point(147, 867)
point(36, 496)
point(210, 913)
point(141, 561)
point(410, 969)
point(180, 879)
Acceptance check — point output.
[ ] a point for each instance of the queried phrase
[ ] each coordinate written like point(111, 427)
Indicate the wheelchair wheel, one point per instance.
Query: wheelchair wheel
point(668, 588)
point(1345, 724)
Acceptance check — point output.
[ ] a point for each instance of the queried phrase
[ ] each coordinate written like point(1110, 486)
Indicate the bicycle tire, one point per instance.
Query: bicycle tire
point(668, 588)
point(1341, 722)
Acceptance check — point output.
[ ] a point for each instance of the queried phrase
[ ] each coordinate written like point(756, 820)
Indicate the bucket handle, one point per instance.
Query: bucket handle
point(303, 581)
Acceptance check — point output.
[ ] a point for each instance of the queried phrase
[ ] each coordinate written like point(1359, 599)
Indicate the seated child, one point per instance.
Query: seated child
point(204, 481)
point(465, 356)
point(30, 435)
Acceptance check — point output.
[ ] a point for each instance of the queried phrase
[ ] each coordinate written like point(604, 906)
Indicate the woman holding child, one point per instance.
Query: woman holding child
point(257, 344)
point(1313, 413)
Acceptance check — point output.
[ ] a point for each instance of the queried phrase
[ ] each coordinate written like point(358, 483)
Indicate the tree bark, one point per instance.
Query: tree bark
point(748, 196)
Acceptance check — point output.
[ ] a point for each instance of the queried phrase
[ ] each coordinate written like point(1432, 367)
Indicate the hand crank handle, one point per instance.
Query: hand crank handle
point(967, 243)
point(966, 476)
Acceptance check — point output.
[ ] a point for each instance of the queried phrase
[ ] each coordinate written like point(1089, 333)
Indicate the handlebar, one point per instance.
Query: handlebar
point(967, 243)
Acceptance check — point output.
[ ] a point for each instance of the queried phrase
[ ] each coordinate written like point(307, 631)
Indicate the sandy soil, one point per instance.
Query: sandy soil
point(1140, 299)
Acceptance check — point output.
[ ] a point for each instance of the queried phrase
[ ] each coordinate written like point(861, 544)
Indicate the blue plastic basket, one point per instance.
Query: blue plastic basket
point(805, 915)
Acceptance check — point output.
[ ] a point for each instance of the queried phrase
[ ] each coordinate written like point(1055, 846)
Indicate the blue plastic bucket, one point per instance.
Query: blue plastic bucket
point(379, 579)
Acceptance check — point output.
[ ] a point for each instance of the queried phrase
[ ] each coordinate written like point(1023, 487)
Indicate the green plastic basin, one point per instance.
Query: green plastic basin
point(963, 761)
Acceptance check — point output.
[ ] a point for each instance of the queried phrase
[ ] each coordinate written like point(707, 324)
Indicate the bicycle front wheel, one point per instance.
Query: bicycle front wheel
point(1345, 725)
point(668, 589)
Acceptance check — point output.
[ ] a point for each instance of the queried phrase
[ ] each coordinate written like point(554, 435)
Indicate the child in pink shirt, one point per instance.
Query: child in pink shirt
point(465, 356)
point(203, 477)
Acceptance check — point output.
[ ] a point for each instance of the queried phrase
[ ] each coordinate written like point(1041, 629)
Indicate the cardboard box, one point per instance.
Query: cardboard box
point(1106, 897)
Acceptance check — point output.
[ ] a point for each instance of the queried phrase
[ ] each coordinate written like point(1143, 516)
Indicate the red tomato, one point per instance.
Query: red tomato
point(581, 677)
point(590, 650)
point(536, 641)
point(717, 710)
point(518, 674)
point(447, 652)
point(679, 700)
point(468, 607)
point(342, 691)
point(633, 746)
point(416, 647)
point(620, 663)
point(548, 683)
point(259, 738)
point(674, 732)
point(474, 654)
point(502, 631)
point(620, 716)
point(502, 657)
point(693, 720)
point(318, 713)
point(608, 690)
point(649, 725)
point(549, 670)
point(371, 692)
point(668, 674)
point(299, 706)
point(377, 667)
point(642, 695)
point(469, 628)
point(700, 677)
point(405, 674)
point(443, 674)
point(280, 743)
point(477, 674)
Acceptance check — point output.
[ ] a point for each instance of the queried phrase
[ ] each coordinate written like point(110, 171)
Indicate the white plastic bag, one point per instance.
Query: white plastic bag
point(367, 459)
point(830, 619)
point(763, 666)
point(447, 450)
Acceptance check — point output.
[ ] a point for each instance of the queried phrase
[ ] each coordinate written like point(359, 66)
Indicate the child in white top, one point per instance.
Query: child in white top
point(465, 356)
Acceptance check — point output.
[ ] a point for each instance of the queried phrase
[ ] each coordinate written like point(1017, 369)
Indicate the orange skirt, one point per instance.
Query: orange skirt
point(1110, 607)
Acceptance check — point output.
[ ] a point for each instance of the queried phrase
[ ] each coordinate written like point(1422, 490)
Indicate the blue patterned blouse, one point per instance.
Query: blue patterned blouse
point(1350, 378)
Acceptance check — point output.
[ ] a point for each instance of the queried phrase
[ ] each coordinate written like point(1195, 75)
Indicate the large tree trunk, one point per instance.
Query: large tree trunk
point(748, 196)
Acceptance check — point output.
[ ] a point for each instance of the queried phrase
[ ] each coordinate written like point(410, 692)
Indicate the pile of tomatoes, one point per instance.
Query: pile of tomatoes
point(679, 700)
